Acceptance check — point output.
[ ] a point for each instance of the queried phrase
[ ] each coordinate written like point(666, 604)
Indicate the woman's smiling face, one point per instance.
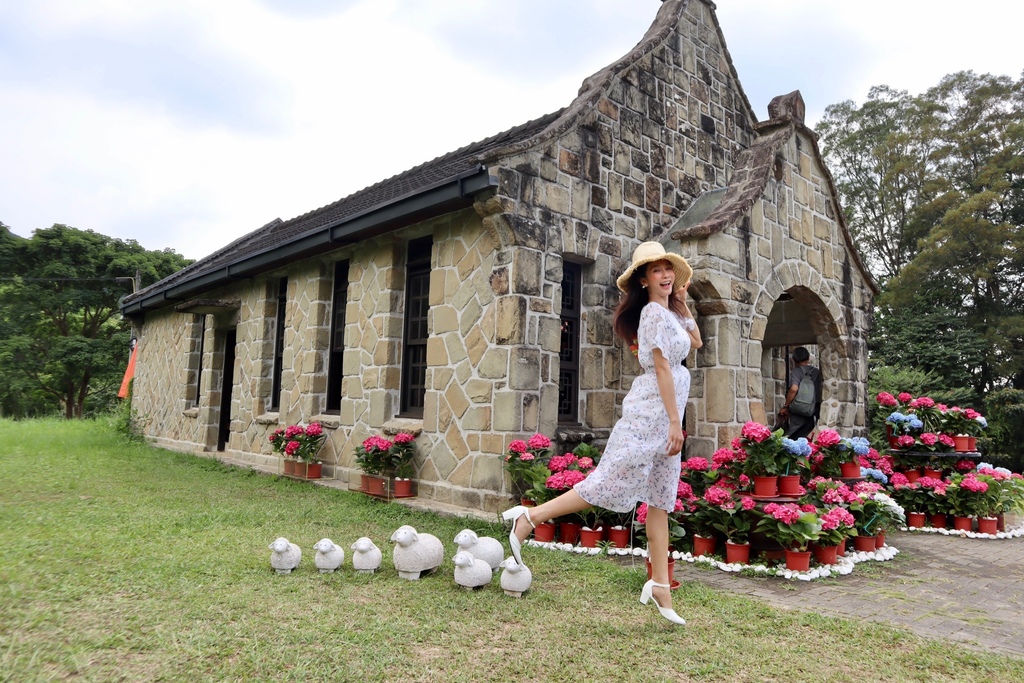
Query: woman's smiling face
point(659, 277)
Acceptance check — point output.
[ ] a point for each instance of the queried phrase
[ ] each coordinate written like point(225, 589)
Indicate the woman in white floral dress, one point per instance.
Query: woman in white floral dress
point(641, 461)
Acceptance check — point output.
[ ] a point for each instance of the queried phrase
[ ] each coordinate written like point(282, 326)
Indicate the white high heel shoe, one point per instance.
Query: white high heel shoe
point(515, 514)
point(648, 593)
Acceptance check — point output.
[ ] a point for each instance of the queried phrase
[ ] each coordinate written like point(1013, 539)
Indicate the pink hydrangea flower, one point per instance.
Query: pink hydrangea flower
point(293, 431)
point(291, 447)
point(756, 432)
point(836, 518)
point(827, 438)
point(898, 479)
point(928, 439)
point(697, 465)
point(904, 397)
point(975, 485)
point(748, 503)
point(517, 446)
point(946, 440)
point(641, 513)
point(585, 463)
point(716, 495)
point(787, 514)
point(404, 438)
point(886, 399)
point(971, 414)
point(314, 429)
point(922, 402)
point(905, 441)
point(684, 490)
point(539, 441)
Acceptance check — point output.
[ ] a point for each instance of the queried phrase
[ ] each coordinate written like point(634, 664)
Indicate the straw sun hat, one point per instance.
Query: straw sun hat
point(648, 252)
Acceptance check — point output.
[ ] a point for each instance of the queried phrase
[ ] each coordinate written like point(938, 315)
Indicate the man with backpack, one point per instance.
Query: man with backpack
point(803, 398)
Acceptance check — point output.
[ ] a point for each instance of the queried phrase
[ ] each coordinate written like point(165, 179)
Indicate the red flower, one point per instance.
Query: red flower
point(517, 446)
point(886, 399)
point(539, 441)
point(404, 438)
point(756, 432)
point(314, 429)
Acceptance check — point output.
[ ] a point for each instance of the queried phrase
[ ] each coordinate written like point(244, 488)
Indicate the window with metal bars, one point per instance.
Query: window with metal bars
point(336, 352)
point(417, 304)
point(200, 323)
point(282, 305)
point(569, 351)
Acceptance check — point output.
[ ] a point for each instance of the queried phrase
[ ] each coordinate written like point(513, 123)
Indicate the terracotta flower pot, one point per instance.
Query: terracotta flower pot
point(798, 560)
point(289, 467)
point(789, 485)
point(826, 554)
point(841, 549)
point(703, 546)
point(962, 443)
point(972, 444)
point(569, 532)
point(963, 523)
point(879, 539)
point(589, 538)
point(938, 520)
point(544, 532)
point(619, 537)
point(915, 519)
point(849, 470)
point(766, 487)
point(403, 488)
point(737, 553)
point(864, 544)
point(988, 525)
point(933, 473)
point(912, 475)
point(671, 572)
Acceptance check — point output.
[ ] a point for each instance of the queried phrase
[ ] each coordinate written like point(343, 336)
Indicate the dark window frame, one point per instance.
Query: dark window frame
point(569, 344)
point(199, 365)
point(416, 333)
point(282, 306)
point(336, 342)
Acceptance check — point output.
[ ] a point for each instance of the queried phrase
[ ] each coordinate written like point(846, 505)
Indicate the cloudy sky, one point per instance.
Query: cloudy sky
point(187, 123)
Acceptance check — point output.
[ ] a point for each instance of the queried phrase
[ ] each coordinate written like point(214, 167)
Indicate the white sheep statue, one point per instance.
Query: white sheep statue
point(483, 548)
point(284, 556)
point(415, 554)
point(471, 573)
point(329, 556)
point(366, 556)
point(516, 579)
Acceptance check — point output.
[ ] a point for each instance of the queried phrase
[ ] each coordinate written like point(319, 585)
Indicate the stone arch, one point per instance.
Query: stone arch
point(816, 305)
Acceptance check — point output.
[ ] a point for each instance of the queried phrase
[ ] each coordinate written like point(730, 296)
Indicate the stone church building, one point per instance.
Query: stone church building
point(470, 299)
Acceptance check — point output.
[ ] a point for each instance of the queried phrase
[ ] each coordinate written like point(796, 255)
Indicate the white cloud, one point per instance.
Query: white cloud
point(189, 123)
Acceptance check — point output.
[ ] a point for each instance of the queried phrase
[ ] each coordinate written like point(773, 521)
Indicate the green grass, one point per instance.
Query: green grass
point(124, 562)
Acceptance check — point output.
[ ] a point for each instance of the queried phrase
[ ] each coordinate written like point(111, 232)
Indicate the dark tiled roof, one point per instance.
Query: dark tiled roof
point(278, 233)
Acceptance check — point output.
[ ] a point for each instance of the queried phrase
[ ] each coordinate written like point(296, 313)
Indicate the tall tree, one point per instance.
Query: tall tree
point(64, 335)
point(879, 154)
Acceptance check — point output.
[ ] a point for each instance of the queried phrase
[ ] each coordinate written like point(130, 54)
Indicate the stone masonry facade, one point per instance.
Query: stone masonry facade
point(647, 140)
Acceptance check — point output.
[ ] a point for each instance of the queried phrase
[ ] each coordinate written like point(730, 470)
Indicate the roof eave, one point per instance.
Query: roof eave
point(449, 195)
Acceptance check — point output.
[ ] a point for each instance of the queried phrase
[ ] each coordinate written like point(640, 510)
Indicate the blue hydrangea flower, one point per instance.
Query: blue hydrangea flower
point(915, 423)
point(984, 466)
point(792, 446)
point(861, 446)
point(982, 421)
point(877, 475)
point(805, 447)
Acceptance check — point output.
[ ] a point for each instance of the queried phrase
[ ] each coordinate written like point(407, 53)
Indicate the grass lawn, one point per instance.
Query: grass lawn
point(125, 562)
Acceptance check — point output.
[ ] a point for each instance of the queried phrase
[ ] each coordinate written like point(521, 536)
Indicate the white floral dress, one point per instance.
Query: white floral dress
point(635, 466)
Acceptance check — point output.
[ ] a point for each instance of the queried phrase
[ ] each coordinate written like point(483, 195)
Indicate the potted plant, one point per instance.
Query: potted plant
point(300, 445)
point(793, 527)
point(401, 455)
point(792, 463)
point(526, 463)
point(373, 457)
point(837, 524)
point(734, 519)
point(762, 463)
point(967, 496)
point(676, 537)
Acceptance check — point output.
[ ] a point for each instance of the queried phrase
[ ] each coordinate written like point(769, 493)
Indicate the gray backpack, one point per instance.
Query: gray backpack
point(803, 403)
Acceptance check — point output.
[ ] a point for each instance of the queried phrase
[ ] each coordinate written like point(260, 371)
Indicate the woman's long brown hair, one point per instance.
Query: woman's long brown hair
point(626, 319)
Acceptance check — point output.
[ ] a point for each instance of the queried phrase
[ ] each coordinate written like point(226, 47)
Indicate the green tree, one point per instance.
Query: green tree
point(64, 340)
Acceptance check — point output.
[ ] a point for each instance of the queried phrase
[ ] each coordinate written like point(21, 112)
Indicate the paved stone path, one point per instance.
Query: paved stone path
point(966, 590)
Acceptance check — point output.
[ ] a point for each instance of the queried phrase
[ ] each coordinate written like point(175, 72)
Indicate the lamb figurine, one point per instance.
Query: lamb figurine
point(285, 555)
point(471, 573)
point(415, 554)
point(366, 556)
point(516, 579)
point(483, 548)
point(329, 556)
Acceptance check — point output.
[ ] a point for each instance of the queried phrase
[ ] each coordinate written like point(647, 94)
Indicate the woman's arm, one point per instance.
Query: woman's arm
point(667, 391)
point(695, 339)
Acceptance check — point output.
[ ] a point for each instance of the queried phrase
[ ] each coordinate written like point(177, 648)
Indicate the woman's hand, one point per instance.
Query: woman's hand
point(675, 439)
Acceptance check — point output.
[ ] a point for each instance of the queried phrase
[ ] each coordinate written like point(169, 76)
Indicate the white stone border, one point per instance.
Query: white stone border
point(843, 566)
point(1016, 532)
